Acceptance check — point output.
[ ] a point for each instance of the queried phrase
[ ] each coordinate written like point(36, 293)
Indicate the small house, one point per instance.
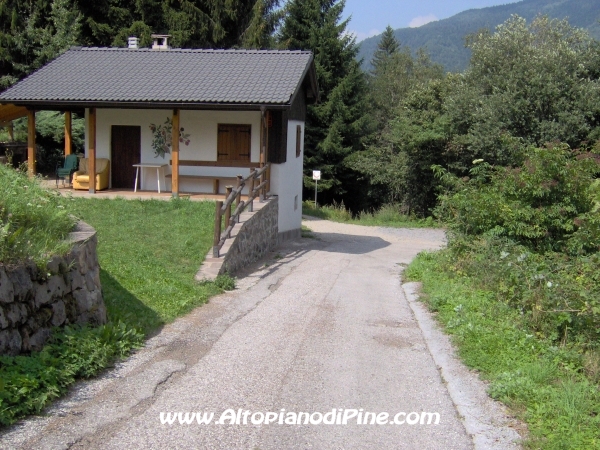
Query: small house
point(181, 119)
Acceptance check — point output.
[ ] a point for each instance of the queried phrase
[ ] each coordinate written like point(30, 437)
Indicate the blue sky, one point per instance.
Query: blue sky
point(370, 18)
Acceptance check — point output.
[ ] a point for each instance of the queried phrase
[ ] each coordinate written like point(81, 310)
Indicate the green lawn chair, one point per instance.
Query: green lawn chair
point(66, 171)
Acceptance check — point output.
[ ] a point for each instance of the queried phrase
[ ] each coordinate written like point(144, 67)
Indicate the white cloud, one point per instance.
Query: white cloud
point(361, 36)
point(422, 20)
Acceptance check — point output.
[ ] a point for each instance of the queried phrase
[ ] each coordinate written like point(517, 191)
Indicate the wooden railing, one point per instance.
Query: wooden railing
point(257, 183)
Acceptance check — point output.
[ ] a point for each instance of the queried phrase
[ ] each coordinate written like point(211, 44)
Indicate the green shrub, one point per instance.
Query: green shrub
point(33, 222)
point(28, 383)
point(531, 235)
point(558, 294)
point(546, 204)
point(225, 282)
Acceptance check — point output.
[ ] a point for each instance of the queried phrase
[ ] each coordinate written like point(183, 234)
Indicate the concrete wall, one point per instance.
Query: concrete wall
point(32, 302)
point(286, 183)
point(200, 125)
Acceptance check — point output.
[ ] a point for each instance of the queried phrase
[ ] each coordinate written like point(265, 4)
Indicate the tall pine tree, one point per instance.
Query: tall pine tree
point(387, 47)
point(334, 126)
point(266, 17)
point(32, 33)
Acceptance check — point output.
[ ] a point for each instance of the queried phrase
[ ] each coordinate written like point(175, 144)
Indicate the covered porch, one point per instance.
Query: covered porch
point(170, 183)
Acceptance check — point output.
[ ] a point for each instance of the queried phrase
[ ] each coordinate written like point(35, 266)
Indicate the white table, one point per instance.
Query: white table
point(148, 166)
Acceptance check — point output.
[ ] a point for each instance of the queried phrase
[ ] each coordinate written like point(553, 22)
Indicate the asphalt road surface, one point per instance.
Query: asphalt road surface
point(322, 327)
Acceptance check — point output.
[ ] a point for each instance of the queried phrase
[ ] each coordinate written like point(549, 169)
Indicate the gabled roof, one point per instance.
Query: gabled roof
point(175, 77)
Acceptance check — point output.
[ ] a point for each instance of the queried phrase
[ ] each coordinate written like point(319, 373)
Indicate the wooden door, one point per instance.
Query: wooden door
point(125, 151)
point(233, 142)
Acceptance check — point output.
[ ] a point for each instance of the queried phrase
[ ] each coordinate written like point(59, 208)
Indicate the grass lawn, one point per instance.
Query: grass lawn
point(149, 252)
point(387, 216)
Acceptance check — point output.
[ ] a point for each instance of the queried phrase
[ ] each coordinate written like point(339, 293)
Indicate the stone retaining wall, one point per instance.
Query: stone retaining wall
point(256, 236)
point(33, 301)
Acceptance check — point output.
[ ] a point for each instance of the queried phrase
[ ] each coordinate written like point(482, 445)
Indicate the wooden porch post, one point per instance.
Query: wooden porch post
point(68, 133)
point(92, 150)
point(263, 147)
point(11, 131)
point(175, 154)
point(31, 142)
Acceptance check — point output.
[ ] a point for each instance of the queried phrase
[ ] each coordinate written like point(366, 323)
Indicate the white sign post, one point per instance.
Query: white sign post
point(316, 177)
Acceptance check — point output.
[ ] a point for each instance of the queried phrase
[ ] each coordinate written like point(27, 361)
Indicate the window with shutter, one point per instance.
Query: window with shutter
point(233, 142)
point(298, 140)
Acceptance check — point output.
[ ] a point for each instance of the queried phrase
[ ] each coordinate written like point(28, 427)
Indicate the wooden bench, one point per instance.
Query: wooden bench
point(215, 179)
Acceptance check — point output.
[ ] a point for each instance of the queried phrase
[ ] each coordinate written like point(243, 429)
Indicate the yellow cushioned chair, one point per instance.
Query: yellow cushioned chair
point(81, 178)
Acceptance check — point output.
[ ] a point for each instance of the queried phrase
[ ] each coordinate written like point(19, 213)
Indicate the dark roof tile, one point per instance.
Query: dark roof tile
point(173, 76)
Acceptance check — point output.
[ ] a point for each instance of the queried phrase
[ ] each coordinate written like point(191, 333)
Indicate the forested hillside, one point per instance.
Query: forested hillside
point(445, 39)
point(33, 31)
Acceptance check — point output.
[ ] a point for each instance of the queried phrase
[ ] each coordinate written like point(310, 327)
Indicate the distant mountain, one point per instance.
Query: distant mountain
point(445, 39)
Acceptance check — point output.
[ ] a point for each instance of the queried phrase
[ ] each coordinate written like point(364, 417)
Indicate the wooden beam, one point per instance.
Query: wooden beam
point(11, 112)
point(68, 133)
point(175, 153)
point(31, 142)
point(11, 131)
point(92, 150)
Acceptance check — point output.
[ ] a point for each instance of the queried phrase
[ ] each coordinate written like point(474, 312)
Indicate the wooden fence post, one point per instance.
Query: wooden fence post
point(268, 186)
point(217, 236)
point(228, 190)
point(238, 199)
point(251, 190)
point(261, 195)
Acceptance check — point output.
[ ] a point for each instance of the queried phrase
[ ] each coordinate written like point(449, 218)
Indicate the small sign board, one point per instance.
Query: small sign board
point(316, 174)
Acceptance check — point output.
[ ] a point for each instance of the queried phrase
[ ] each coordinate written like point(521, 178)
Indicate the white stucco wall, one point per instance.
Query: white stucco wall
point(202, 127)
point(286, 182)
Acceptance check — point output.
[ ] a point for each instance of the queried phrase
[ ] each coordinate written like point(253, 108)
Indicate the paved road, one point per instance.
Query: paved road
point(324, 325)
